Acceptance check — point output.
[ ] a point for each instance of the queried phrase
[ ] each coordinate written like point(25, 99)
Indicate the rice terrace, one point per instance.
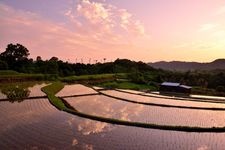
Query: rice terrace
point(112, 75)
point(84, 117)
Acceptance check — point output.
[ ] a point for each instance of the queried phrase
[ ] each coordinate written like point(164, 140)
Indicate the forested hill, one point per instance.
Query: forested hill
point(185, 66)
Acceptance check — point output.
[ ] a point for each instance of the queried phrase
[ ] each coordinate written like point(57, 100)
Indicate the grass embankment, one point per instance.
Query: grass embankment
point(89, 78)
point(206, 91)
point(119, 80)
point(8, 72)
point(55, 87)
point(13, 76)
point(51, 90)
point(126, 85)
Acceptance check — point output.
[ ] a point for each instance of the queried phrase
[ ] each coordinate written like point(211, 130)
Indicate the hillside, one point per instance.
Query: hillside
point(185, 66)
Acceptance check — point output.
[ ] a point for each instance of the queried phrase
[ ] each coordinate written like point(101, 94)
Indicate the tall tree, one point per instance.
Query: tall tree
point(15, 52)
point(14, 55)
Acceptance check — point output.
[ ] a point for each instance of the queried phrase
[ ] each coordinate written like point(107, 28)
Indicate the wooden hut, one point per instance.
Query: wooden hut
point(174, 88)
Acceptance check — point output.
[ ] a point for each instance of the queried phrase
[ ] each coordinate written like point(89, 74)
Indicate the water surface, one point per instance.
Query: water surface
point(36, 124)
point(21, 90)
point(109, 107)
point(162, 100)
point(75, 89)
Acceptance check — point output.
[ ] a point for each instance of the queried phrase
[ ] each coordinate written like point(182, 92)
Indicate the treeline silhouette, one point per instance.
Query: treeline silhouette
point(16, 57)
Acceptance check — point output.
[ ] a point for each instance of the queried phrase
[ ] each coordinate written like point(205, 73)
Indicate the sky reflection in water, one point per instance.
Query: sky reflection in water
point(36, 124)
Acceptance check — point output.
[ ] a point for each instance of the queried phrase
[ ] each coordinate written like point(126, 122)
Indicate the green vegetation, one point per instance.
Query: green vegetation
point(16, 93)
point(206, 91)
point(17, 77)
point(88, 77)
point(126, 85)
point(138, 75)
point(51, 90)
point(18, 84)
point(8, 72)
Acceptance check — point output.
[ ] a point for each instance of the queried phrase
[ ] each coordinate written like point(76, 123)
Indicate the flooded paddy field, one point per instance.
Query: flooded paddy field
point(28, 89)
point(75, 89)
point(36, 124)
point(162, 100)
point(109, 107)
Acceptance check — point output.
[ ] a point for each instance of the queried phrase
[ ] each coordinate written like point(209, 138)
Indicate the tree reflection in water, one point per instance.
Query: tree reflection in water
point(16, 93)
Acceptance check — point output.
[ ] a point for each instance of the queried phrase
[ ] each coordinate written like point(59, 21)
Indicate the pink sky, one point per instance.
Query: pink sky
point(146, 30)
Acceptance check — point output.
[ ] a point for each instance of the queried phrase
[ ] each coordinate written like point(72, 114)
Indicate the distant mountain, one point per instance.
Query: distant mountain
point(185, 66)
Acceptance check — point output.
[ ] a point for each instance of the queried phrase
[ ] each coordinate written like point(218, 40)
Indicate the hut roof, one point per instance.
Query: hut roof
point(185, 86)
point(170, 84)
point(175, 85)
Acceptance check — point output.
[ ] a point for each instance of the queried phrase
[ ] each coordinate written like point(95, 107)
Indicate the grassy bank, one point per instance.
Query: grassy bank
point(126, 85)
point(206, 91)
point(13, 76)
point(119, 80)
point(51, 90)
point(90, 78)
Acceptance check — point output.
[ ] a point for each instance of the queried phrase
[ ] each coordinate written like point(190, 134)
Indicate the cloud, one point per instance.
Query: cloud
point(41, 36)
point(95, 12)
point(204, 147)
point(92, 30)
point(130, 24)
point(220, 11)
point(208, 26)
point(105, 18)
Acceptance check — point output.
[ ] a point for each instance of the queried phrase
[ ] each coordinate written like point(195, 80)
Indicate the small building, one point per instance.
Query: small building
point(174, 88)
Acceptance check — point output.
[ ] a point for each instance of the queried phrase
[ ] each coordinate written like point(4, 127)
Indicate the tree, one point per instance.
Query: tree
point(15, 52)
point(54, 59)
point(38, 58)
point(3, 65)
point(14, 55)
point(220, 88)
point(51, 67)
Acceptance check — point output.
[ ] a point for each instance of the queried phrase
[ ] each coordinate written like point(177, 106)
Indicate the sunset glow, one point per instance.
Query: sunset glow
point(89, 30)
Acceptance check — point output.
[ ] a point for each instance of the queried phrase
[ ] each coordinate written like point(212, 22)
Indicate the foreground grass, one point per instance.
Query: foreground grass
point(51, 90)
